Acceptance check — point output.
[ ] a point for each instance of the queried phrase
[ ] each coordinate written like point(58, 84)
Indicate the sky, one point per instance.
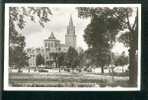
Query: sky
point(35, 34)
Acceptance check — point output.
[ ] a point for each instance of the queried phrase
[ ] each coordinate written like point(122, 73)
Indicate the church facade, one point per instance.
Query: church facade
point(53, 46)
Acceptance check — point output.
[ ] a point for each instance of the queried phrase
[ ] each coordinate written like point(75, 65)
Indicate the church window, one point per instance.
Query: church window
point(51, 44)
point(45, 44)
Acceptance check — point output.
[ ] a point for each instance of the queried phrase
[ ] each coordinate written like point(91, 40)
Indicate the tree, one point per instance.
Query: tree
point(118, 19)
point(81, 59)
point(17, 21)
point(18, 56)
point(71, 58)
point(98, 42)
point(121, 60)
point(61, 60)
point(39, 60)
point(54, 56)
point(132, 43)
point(89, 59)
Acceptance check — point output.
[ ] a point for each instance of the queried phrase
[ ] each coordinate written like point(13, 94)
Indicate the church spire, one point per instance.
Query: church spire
point(70, 37)
point(70, 21)
point(71, 27)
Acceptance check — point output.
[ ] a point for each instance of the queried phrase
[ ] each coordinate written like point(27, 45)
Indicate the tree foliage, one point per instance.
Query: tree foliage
point(118, 18)
point(17, 55)
point(121, 60)
point(71, 58)
point(18, 17)
point(39, 60)
point(81, 59)
point(61, 59)
point(97, 38)
point(114, 19)
point(124, 38)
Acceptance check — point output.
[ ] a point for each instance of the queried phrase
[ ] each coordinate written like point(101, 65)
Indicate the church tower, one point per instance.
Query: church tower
point(70, 37)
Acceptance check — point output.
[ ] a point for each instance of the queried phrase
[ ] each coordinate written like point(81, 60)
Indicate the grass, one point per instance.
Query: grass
point(64, 80)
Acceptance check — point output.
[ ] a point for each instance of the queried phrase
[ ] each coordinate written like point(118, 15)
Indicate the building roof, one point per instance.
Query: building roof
point(52, 36)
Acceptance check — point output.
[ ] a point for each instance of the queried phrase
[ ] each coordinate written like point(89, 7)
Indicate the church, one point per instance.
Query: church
point(53, 45)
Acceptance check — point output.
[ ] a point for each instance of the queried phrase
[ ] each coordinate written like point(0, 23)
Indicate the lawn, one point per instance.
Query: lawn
point(65, 79)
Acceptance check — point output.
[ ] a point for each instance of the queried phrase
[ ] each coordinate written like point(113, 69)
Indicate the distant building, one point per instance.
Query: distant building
point(53, 46)
point(32, 53)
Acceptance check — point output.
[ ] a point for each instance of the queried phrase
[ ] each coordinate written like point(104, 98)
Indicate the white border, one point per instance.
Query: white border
point(6, 49)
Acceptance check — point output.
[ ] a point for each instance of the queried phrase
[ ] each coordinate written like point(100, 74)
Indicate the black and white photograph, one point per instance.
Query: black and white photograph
point(72, 47)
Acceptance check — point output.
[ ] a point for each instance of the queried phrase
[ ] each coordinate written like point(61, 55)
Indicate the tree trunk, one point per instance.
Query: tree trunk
point(102, 69)
point(28, 69)
point(19, 69)
point(56, 64)
point(59, 68)
point(132, 68)
point(73, 69)
point(132, 62)
point(122, 69)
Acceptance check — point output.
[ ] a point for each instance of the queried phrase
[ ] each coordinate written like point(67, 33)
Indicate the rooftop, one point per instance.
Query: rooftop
point(52, 36)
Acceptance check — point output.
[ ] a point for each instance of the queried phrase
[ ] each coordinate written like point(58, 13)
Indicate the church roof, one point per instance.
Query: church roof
point(52, 36)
